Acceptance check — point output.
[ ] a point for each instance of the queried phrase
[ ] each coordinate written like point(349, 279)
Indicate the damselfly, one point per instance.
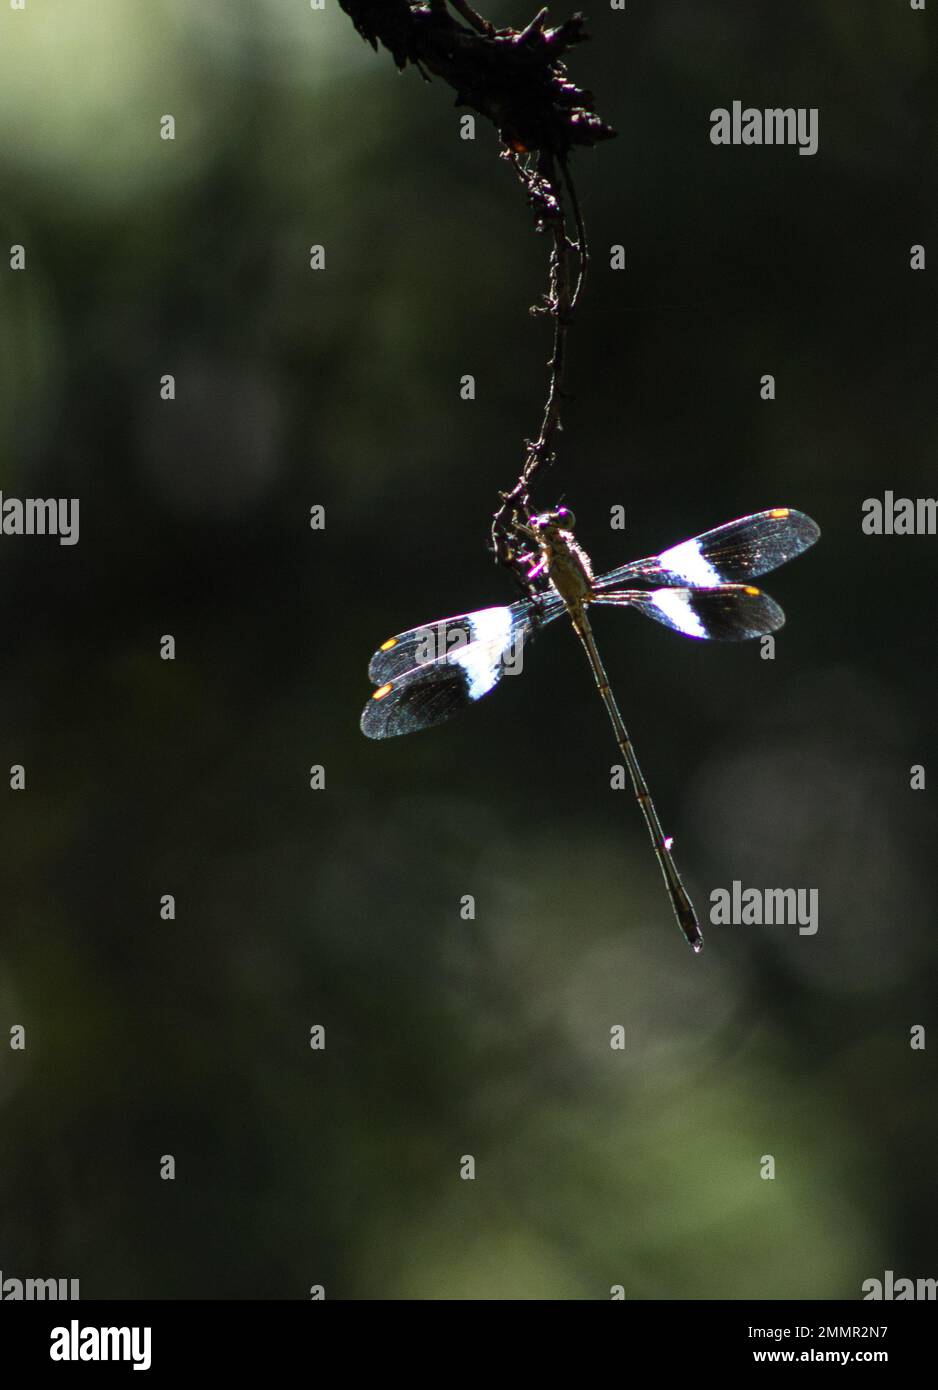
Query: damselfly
point(430, 673)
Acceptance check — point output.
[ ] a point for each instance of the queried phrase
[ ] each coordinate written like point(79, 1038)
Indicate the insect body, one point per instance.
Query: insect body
point(426, 675)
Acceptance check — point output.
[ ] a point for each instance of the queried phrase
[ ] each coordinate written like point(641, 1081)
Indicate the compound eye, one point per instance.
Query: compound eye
point(565, 518)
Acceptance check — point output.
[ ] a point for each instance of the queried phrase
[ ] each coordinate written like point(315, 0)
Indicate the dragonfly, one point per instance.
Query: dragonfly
point(698, 588)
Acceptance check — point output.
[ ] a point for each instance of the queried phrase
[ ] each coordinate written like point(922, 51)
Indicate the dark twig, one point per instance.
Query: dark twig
point(518, 80)
point(480, 25)
point(543, 192)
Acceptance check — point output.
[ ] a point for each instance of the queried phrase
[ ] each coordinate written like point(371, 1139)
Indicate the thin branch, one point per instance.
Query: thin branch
point(544, 193)
point(517, 79)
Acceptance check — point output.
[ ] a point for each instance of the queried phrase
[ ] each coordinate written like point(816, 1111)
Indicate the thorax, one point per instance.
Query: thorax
point(568, 568)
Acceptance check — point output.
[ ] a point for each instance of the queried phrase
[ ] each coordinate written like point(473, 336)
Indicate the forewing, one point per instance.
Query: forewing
point(428, 674)
point(730, 554)
point(422, 645)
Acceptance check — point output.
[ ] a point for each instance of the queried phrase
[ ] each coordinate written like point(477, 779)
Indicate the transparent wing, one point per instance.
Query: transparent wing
point(728, 613)
point(421, 645)
point(729, 554)
point(430, 673)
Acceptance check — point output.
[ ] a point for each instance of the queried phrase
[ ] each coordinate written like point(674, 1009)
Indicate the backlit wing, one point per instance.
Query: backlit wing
point(430, 673)
point(729, 554)
point(728, 613)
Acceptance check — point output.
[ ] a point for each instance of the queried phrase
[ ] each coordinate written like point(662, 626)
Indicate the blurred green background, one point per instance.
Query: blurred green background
point(341, 907)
